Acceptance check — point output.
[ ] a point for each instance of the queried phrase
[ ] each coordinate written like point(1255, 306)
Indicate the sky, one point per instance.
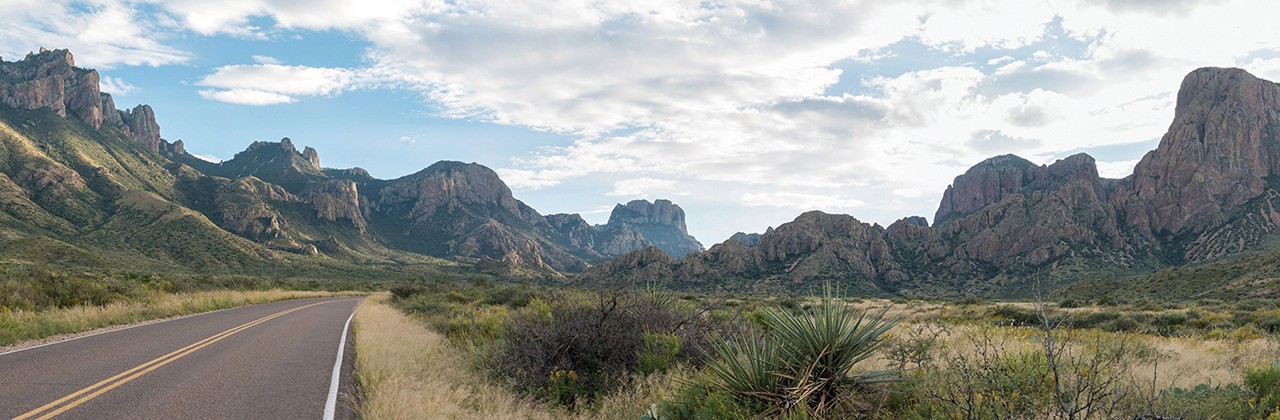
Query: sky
point(745, 113)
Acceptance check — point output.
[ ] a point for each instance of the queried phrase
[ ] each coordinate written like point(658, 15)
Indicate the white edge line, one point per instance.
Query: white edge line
point(331, 404)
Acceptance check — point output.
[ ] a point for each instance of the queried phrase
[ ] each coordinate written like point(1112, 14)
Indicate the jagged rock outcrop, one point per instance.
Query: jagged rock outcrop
point(244, 208)
point(746, 239)
point(311, 156)
point(336, 200)
point(110, 115)
point(141, 124)
point(1223, 142)
point(661, 223)
point(51, 80)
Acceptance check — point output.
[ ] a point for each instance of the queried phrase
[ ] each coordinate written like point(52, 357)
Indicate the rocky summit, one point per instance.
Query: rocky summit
point(1009, 227)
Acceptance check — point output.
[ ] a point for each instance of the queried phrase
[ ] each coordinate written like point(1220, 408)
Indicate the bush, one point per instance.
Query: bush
point(1264, 383)
point(1123, 323)
point(1206, 402)
point(804, 363)
point(603, 342)
point(405, 290)
point(1016, 315)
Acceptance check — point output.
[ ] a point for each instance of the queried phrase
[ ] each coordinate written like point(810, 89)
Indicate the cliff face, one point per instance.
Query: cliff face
point(1223, 142)
point(141, 123)
point(661, 223)
point(51, 80)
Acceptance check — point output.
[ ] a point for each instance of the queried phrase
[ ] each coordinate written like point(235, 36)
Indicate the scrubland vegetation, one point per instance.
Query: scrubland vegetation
point(520, 351)
point(37, 303)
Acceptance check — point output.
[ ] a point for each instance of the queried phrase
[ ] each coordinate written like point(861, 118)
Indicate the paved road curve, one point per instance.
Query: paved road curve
point(269, 361)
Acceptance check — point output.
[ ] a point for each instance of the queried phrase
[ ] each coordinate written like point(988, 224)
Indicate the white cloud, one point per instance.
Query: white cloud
point(208, 158)
point(1117, 170)
point(115, 86)
point(800, 201)
point(263, 59)
point(640, 187)
point(269, 84)
point(246, 97)
point(102, 34)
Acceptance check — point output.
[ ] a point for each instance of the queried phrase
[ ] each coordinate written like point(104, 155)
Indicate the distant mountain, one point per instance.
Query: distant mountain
point(1008, 227)
point(83, 178)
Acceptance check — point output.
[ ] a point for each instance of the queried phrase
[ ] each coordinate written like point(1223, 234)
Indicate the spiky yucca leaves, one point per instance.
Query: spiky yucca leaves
point(804, 361)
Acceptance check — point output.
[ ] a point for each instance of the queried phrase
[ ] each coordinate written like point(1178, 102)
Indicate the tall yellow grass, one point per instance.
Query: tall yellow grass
point(407, 371)
point(16, 327)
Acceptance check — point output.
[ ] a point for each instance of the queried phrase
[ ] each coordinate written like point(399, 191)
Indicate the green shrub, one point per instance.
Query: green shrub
point(1264, 383)
point(660, 353)
point(1016, 315)
point(804, 363)
point(604, 341)
point(405, 290)
point(1123, 323)
point(1205, 402)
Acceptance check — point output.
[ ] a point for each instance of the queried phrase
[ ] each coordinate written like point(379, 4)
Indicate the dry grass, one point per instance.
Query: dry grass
point(1183, 362)
point(16, 327)
point(407, 371)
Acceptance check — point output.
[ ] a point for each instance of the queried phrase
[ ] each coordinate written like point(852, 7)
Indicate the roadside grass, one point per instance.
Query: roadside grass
point(407, 371)
point(23, 325)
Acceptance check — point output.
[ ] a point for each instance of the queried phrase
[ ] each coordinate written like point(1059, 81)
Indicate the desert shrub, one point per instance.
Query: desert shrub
point(1016, 315)
point(1270, 324)
point(602, 342)
point(405, 290)
point(702, 399)
point(804, 364)
point(1069, 303)
point(660, 352)
point(1093, 319)
point(1205, 402)
point(1264, 384)
point(914, 348)
point(1120, 324)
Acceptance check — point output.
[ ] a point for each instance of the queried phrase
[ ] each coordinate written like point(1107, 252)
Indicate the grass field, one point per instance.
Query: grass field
point(515, 351)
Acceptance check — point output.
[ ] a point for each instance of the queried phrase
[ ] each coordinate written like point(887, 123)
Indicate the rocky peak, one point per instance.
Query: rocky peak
point(50, 80)
point(448, 186)
point(661, 223)
point(1223, 142)
point(661, 212)
point(993, 179)
point(746, 239)
point(985, 183)
point(311, 156)
point(141, 124)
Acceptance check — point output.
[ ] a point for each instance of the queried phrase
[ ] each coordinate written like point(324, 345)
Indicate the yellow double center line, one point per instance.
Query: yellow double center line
point(92, 391)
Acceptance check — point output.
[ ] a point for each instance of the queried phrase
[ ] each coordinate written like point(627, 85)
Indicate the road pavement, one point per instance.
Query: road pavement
point(268, 361)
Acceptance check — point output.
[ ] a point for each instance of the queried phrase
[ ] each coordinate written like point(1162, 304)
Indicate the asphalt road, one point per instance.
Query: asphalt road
point(269, 361)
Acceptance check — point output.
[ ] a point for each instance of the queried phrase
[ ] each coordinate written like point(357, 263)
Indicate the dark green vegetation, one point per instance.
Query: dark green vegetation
point(831, 357)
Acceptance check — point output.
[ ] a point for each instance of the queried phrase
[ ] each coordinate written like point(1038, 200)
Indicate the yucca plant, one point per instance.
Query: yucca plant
point(804, 361)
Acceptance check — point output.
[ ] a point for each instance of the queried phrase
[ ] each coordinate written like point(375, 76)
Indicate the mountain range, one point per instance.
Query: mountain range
point(83, 178)
point(87, 185)
point(1208, 193)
